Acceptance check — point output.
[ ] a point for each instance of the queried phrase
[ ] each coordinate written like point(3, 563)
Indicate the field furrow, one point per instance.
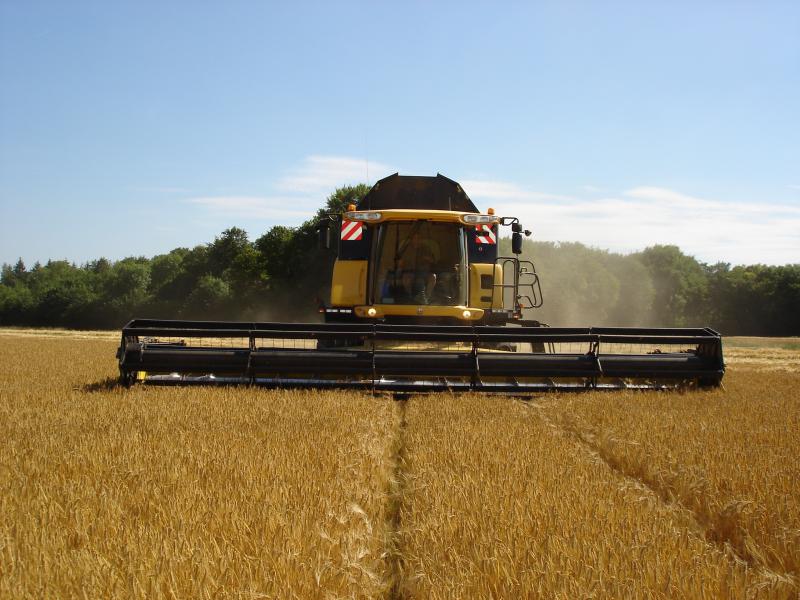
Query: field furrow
point(499, 504)
point(728, 455)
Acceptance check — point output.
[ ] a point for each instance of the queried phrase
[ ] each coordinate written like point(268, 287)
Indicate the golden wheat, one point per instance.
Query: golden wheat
point(729, 456)
point(183, 492)
point(241, 492)
point(499, 502)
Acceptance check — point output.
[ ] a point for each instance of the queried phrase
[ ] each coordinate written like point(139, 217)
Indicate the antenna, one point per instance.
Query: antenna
point(366, 154)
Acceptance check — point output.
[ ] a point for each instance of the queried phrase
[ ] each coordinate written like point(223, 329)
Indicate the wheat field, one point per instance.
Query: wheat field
point(250, 493)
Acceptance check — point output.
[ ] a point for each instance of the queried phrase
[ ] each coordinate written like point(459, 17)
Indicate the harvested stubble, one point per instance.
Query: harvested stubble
point(763, 354)
point(500, 503)
point(184, 492)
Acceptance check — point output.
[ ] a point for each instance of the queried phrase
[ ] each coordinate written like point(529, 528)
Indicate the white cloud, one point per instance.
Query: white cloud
point(289, 209)
point(662, 195)
point(762, 231)
point(711, 230)
point(674, 199)
point(502, 190)
point(298, 194)
point(323, 174)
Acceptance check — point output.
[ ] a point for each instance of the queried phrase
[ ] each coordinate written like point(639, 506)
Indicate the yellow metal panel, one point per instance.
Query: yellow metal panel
point(485, 297)
point(420, 310)
point(349, 283)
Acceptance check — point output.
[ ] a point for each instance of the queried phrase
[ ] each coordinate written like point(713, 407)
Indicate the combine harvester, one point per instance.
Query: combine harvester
point(421, 301)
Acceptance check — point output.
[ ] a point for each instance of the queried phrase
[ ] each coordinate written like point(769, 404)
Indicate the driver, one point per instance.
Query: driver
point(416, 266)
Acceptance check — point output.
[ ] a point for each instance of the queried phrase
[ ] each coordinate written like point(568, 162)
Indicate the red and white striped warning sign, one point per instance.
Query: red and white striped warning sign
point(351, 230)
point(486, 235)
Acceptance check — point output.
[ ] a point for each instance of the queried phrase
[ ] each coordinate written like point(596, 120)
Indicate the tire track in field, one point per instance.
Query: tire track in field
point(396, 496)
point(719, 528)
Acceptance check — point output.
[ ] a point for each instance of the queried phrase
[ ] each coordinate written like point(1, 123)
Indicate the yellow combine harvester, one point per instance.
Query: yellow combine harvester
point(421, 300)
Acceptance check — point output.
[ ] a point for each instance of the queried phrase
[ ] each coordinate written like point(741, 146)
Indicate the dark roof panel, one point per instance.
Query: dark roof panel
point(420, 193)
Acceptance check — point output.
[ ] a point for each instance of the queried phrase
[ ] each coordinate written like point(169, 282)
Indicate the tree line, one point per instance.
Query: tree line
point(663, 287)
point(282, 275)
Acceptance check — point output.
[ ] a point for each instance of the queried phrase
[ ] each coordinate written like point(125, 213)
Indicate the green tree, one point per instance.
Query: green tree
point(99, 266)
point(196, 263)
point(166, 268)
point(17, 305)
point(7, 277)
point(759, 300)
point(275, 249)
point(61, 293)
point(128, 281)
point(209, 299)
point(13, 275)
point(680, 286)
point(225, 248)
point(340, 199)
point(247, 274)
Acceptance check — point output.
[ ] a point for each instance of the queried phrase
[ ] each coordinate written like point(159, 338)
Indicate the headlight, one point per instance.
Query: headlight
point(472, 219)
point(362, 216)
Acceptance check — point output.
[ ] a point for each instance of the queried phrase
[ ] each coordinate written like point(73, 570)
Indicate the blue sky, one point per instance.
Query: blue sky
point(133, 128)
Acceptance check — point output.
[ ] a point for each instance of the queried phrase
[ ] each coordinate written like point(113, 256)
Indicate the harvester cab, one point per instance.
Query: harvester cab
point(421, 300)
point(416, 250)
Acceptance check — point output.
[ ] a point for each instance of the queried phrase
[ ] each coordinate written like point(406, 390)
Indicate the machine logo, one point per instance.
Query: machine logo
point(351, 230)
point(485, 235)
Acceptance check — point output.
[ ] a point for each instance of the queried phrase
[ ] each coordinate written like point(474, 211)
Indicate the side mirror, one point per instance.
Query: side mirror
point(516, 242)
point(324, 231)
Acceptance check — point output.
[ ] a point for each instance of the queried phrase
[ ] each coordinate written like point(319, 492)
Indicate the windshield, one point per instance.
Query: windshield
point(420, 262)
